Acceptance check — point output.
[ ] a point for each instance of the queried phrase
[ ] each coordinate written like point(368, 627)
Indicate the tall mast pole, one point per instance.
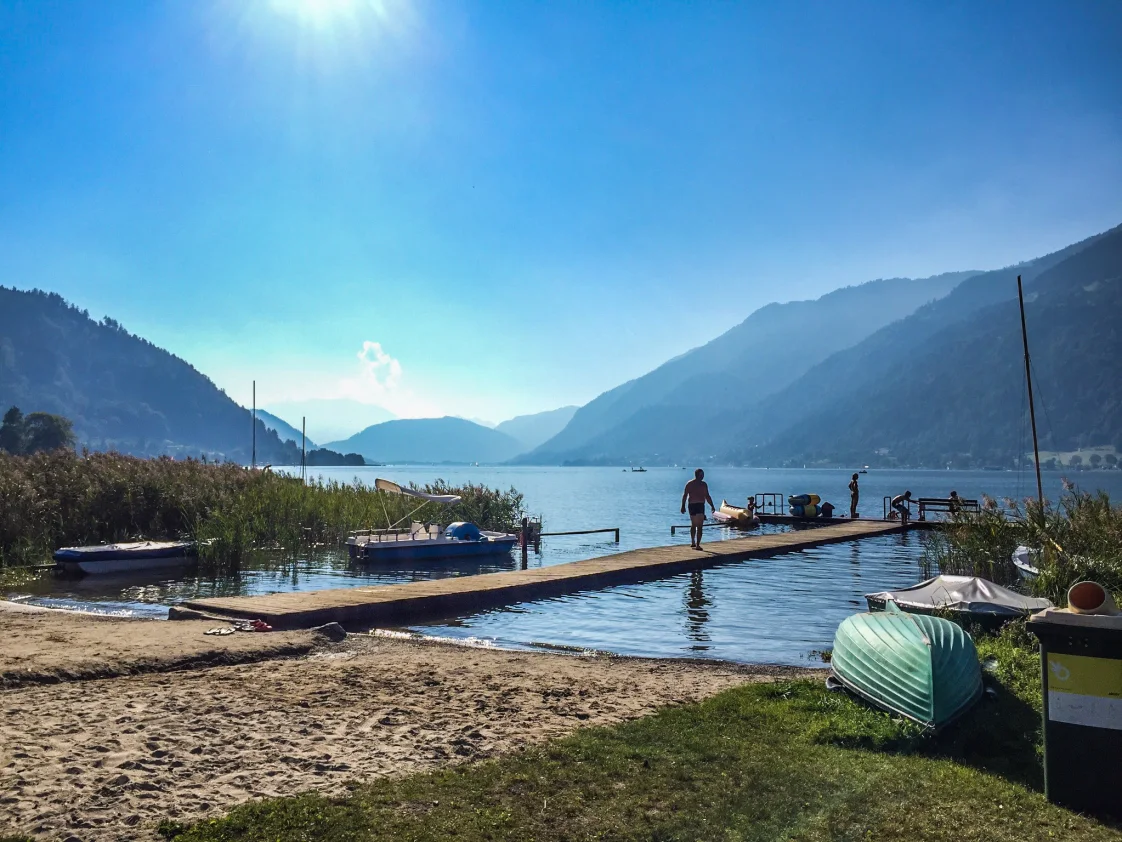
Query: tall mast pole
point(303, 445)
point(1032, 408)
point(253, 454)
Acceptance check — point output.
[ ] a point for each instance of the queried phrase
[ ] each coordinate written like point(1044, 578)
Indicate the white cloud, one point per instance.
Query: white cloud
point(379, 381)
point(380, 371)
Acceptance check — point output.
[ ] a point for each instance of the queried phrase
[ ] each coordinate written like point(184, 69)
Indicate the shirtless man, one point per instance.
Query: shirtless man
point(900, 504)
point(697, 493)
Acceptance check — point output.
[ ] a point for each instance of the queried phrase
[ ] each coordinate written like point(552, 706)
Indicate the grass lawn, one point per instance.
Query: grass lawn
point(786, 761)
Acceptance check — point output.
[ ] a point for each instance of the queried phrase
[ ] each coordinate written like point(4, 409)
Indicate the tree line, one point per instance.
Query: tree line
point(22, 435)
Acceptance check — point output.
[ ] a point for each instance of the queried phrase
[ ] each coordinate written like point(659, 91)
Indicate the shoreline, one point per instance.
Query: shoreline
point(128, 735)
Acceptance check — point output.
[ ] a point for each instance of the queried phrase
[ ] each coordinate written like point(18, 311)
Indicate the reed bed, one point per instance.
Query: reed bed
point(1079, 538)
point(50, 500)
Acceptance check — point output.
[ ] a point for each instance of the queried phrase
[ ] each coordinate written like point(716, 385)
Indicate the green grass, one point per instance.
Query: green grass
point(788, 761)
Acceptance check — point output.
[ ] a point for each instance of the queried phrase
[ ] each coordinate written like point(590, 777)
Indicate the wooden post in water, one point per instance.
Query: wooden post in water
point(1032, 409)
point(525, 540)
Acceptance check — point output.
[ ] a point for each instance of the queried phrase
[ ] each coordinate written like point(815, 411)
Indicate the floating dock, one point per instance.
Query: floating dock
point(420, 602)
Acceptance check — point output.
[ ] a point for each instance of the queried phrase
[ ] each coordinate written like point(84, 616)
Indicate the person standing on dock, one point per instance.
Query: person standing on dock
point(854, 496)
point(696, 493)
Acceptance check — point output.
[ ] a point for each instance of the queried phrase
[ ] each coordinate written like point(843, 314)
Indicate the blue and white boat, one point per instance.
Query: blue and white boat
point(425, 540)
point(125, 558)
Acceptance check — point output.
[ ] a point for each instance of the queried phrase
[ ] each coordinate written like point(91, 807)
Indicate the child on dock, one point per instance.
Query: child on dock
point(900, 504)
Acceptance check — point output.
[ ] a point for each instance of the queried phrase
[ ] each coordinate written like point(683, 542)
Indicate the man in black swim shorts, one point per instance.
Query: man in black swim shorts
point(696, 494)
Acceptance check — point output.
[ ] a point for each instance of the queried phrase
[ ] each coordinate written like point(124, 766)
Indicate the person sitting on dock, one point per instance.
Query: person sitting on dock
point(900, 504)
point(954, 503)
point(854, 496)
point(697, 494)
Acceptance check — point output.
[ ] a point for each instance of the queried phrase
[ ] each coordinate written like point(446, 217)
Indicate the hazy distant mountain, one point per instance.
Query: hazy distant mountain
point(121, 391)
point(330, 418)
point(283, 429)
point(664, 414)
point(947, 385)
point(532, 430)
point(428, 440)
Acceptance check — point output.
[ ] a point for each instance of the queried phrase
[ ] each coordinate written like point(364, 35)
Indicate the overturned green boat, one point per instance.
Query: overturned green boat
point(914, 665)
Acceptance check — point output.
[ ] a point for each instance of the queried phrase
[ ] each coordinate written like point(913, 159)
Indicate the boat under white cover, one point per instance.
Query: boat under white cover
point(966, 595)
point(125, 557)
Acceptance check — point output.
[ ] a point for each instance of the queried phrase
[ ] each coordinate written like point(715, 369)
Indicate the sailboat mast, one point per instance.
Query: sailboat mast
point(1032, 408)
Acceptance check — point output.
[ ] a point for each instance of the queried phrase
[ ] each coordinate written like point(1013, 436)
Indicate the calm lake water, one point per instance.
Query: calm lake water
point(775, 610)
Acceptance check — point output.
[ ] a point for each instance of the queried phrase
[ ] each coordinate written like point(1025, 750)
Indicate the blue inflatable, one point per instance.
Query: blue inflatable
point(463, 531)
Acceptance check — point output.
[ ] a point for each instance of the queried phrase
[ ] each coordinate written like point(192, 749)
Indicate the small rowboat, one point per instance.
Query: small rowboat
point(1025, 560)
point(921, 667)
point(736, 516)
point(125, 558)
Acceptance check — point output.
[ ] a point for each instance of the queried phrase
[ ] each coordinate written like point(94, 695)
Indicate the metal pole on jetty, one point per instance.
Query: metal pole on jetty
point(1032, 409)
point(303, 444)
point(253, 451)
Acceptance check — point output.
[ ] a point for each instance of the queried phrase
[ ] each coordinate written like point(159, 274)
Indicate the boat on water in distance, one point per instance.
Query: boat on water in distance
point(125, 557)
point(425, 540)
point(914, 665)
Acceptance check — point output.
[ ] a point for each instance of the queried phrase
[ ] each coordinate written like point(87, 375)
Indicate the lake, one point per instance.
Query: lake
point(776, 610)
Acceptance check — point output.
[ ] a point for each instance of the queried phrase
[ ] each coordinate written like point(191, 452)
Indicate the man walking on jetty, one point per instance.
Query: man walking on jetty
point(697, 494)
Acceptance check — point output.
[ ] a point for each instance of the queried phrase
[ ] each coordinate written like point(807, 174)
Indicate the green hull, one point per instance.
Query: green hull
point(921, 667)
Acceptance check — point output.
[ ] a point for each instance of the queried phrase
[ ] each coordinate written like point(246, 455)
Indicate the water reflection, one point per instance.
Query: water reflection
point(696, 614)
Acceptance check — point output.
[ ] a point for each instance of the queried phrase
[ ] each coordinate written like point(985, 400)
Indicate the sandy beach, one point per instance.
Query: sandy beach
point(164, 737)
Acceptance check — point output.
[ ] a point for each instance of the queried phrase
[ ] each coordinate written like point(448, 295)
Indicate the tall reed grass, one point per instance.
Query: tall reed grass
point(50, 500)
point(1078, 538)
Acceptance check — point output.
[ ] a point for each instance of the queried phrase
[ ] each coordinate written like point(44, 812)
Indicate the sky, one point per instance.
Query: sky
point(490, 209)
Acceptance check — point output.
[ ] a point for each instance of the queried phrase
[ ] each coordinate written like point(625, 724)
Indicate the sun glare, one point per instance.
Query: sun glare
point(318, 13)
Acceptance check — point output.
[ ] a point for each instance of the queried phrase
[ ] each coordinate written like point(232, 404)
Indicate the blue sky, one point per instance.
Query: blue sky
point(488, 209)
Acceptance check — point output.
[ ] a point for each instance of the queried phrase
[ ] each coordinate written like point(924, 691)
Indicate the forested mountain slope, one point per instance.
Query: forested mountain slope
point(949, 387)
point(120, 391)
point(648, 417)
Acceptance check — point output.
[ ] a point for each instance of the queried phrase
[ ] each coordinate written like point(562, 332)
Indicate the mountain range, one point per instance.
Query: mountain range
point(328, 419)
point(668, 413)
point(284, 430)
point(941, 384)
point(530, 431)
point(430, 440)
point(917, 372)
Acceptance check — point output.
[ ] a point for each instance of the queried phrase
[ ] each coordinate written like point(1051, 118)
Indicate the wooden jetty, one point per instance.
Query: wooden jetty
point(418, 602)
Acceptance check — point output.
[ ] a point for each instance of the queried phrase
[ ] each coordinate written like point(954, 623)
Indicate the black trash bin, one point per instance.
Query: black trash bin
point(1081, 669)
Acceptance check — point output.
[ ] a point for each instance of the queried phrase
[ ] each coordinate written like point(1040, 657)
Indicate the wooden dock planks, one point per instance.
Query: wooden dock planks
point(418, 602)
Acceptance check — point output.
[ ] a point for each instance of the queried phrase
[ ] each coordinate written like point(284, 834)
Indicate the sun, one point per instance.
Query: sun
point(317, 13)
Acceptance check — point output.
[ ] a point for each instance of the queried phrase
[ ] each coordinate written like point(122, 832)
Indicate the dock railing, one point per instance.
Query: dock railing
point(770, 503)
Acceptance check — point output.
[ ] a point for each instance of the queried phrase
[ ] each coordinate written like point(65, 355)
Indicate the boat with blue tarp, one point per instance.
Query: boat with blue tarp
point(421, 540)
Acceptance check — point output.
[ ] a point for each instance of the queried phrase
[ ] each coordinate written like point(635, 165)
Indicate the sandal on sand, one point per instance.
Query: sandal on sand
point(219, 631)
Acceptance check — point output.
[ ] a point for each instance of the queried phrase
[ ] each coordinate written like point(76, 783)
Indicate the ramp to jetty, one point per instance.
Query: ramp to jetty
point(420, 602)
